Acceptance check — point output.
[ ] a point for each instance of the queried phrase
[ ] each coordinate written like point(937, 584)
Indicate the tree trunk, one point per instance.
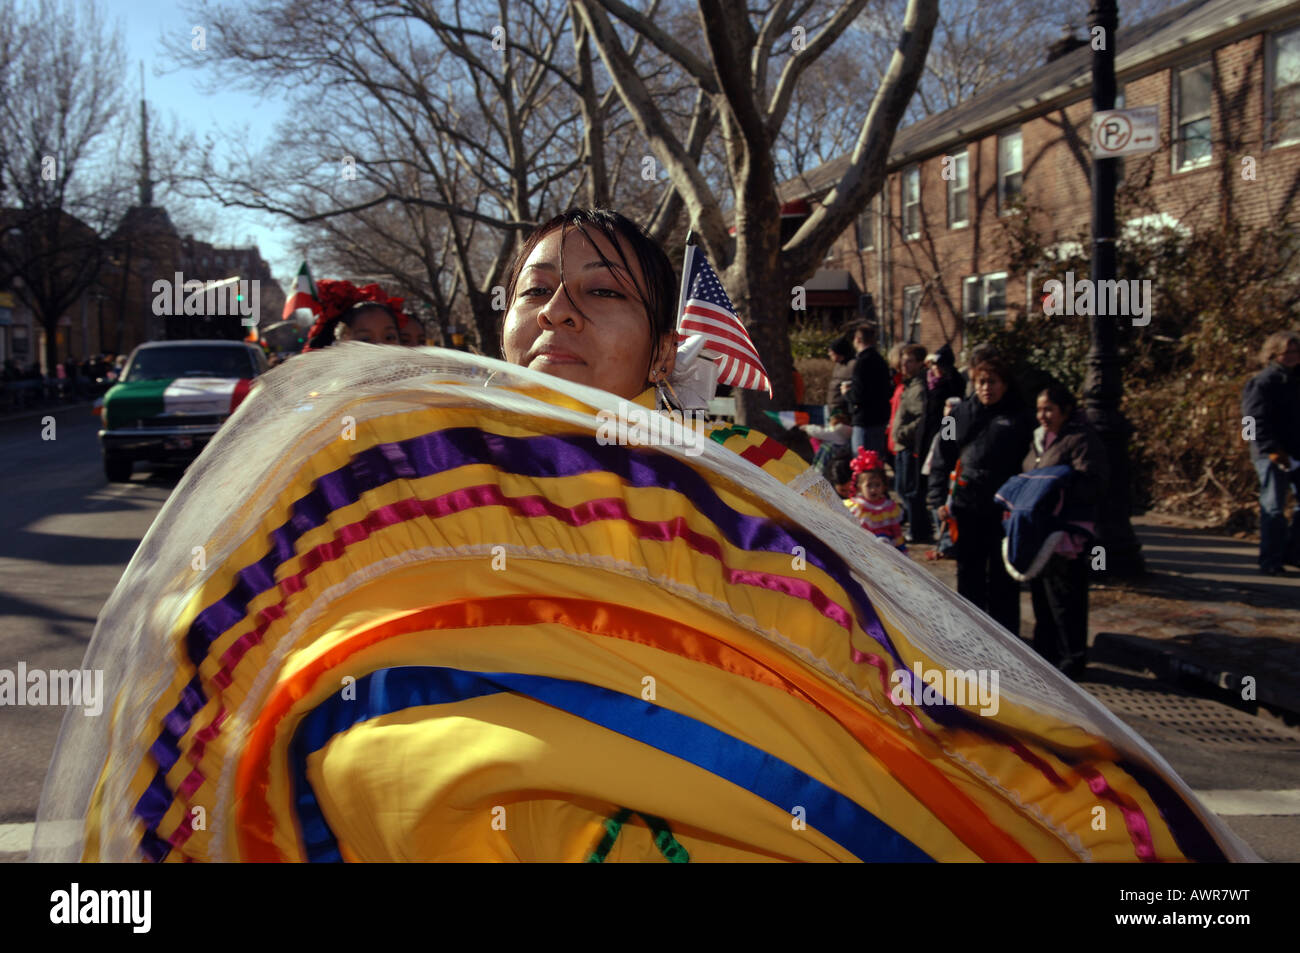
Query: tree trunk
point(762, 296)
point(487, 323)
point(51, 326)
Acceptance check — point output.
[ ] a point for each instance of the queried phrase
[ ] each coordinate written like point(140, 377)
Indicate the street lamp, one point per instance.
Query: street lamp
point(1103, 387)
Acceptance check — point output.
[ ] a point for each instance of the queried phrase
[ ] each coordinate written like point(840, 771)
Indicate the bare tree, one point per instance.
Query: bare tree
point(750, 67)
point(981, 43)
point(60, 96)
point(487, 114)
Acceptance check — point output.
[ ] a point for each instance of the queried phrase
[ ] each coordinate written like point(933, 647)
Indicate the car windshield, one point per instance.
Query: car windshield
point(165, 363)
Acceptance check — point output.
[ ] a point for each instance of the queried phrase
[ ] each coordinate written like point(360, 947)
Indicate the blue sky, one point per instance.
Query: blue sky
point(150, 27)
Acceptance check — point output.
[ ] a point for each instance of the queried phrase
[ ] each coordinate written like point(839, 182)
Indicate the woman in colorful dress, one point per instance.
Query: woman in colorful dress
point(438, 618)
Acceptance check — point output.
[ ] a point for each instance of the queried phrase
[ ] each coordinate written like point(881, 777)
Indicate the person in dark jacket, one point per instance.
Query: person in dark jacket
point(1060, 591)
point(990, 435)
point(942, 381)
point(841, 354)
point(1271, 404)
point(869, 393)
point(904, 429)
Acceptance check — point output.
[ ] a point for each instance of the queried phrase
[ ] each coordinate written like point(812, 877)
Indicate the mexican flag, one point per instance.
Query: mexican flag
point(304, 294)
point(790, 418)
point(129, 402)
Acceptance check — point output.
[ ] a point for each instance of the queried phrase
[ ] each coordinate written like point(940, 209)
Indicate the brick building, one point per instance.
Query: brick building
point(931, 250)
point(147, 248)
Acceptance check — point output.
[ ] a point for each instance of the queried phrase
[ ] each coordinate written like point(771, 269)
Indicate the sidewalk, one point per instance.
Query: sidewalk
point(1202, 617)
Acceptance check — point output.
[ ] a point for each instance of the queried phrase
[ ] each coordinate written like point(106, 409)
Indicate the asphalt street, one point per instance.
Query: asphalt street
point(66, 535)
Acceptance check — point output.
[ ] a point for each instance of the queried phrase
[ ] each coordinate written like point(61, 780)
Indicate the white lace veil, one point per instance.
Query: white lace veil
point(295, 410)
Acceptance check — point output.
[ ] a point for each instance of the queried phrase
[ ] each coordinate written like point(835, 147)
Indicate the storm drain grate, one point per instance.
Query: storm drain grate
point(1200, 720)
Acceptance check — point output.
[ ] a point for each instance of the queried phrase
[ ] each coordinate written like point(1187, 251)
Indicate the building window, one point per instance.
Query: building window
point(912, 202)
point(1192, 116)
point(1010, 168)
point(984, 296)
point(1284, 87)
point(912, 314)
point(971, 297)
point(866, 225)
point(995, 296)
point(959, 190)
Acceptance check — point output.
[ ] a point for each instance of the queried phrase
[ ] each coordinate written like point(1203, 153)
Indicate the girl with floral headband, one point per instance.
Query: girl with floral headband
point(872, 506)
point(349, 313)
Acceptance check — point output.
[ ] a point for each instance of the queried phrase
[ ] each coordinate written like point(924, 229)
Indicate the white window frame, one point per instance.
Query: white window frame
point(995, 276)
point(1270, 91)
point(1004, 173)
point(981, 285)
point(953, 190)
point(912, 322)
point(968, 284)
point(914, 172)
point(1178, 120)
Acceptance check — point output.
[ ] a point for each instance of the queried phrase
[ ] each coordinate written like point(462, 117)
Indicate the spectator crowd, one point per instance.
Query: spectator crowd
point(73, 379)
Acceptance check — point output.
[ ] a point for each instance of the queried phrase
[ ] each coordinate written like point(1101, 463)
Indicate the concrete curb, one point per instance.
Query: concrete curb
point(1174, 663)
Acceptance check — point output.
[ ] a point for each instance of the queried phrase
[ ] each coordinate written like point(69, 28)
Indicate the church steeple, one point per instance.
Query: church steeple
point(146, 183)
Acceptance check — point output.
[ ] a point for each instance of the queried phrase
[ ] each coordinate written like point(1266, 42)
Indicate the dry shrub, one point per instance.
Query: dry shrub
point(1218, 292)
point(816, 372)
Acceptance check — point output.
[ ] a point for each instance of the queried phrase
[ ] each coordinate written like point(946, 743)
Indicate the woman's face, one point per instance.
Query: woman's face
point(989, 388)
point(1050, 415)
point(602, 342)
point(374, 325)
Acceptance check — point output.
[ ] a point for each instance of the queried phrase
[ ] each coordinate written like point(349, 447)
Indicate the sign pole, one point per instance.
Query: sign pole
point(1103, 387)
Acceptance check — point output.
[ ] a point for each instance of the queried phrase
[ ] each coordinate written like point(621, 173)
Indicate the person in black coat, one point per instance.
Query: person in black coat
point(1271, 402)
point(1060, 590)
point(988, 438)
point(942, 381)
point(870, 393)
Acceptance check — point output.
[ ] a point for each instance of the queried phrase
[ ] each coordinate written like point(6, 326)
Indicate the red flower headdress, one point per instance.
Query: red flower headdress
point(866, 460)
point(337, 298)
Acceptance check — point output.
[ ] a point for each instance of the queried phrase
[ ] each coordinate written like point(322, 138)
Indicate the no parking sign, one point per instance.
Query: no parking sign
point(1123, 132)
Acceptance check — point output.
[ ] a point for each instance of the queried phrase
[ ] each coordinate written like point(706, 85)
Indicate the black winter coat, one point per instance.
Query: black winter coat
point(872, 390)
point(953, 385)
point(991, 444)
point(1272, 397)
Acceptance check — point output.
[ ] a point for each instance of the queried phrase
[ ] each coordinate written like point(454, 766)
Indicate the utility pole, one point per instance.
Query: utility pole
point(1103, 387)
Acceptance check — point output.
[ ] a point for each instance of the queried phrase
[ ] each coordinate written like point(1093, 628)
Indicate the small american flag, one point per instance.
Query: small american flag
point(706, 310)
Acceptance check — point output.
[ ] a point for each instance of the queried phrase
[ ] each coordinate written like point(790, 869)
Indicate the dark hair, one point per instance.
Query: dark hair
point(993, 364)
point(843, 346)
point(915, 351)
point(1060, 397)
point(328, 334)
point(659, 295)
point(842, 471)
point(868, 331)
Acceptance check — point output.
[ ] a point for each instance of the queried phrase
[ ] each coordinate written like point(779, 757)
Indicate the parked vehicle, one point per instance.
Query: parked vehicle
point(172, 397)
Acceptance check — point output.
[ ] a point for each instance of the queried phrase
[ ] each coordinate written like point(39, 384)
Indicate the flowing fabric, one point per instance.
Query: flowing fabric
point(412, 605)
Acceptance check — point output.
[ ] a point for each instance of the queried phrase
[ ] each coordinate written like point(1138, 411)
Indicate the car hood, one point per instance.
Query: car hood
point(136, 400)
